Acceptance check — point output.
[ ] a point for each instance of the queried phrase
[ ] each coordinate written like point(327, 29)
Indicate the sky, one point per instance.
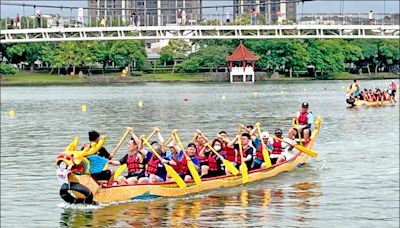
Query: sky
point(317, 6)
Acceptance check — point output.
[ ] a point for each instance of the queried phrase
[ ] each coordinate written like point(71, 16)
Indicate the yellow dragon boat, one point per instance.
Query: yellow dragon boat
point(79, 187)
point(361, 103)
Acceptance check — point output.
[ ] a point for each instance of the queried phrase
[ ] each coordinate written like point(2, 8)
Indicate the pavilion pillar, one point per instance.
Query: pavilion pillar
point(244, 70)
point(254, 72)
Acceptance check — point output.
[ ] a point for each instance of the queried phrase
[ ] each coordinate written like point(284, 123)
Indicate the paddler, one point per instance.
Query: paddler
point(278, 149)
point(134, 160)
point(305, 121)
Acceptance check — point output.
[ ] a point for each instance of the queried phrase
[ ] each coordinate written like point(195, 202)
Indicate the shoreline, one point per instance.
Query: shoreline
point(37, 79)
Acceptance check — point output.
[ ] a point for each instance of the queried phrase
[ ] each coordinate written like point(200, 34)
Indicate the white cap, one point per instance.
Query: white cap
point(264, 135)
point(170, 144)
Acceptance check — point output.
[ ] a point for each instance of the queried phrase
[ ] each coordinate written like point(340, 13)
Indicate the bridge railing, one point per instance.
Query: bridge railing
point(53, 20)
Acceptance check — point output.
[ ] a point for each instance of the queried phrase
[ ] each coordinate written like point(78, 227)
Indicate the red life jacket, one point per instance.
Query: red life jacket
point(134, 162)
point(174, 157)
point(212, 163)
point(230, 153)
point(259, 154)
point(182, 166)
point(277, 145)
point(152, 166)
point(303, 120)
point(199, 148)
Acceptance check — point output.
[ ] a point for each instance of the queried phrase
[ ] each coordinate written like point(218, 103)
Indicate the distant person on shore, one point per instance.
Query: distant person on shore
point(18, 21)
point(228, 17)
point(38, 19)
point(79, 19)
point(179, 17)
point(279, 16)
point(134, 19)
point(370, 17)
point(102, 22)
point(183, 17)
point(254, 17)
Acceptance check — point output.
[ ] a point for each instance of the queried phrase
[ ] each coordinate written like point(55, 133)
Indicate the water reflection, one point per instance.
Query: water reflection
point(216, 209)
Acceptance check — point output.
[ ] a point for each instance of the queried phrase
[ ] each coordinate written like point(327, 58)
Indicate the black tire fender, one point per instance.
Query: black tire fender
point(69, 198)
point(350, 100)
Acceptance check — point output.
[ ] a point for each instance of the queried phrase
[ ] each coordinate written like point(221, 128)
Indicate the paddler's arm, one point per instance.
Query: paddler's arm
point(232, 143)
point(135, 138)
point(160, 138)
point(175, 142)
point(141, 148)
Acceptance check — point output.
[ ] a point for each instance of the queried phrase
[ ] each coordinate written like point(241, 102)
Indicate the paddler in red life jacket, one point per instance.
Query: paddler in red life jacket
point(247, 149)
point(305, 120)
point(259, 161)
point(182, 158)
point(214, 163)
point(228, 147)
point(108, 174)
point(134, 160)
point(279, 150)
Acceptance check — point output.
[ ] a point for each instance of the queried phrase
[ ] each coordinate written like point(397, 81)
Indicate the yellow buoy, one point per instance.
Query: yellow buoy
point(282, 91)
point(140, 104)
point(305, 90)
point(223, 97)
point(84, 108)
point(11, 113)
point(254, 94)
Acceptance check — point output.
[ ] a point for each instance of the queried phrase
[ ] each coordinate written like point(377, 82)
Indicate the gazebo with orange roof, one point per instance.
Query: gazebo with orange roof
point(242, 56)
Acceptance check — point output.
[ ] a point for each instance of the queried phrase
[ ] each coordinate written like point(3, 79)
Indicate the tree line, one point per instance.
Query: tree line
point(284, 55)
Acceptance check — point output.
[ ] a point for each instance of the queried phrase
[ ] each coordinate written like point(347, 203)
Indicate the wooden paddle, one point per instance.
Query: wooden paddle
point(227, 163)
point(121, 169)
point(119, 143)
point(191, 166)
point(298, 131)
point(181, 183)
point(243, 166)
point(265, 153)
point(300, 148)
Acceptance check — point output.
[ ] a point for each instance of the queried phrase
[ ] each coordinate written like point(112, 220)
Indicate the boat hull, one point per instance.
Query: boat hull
point(362, 103)
point(109, 194)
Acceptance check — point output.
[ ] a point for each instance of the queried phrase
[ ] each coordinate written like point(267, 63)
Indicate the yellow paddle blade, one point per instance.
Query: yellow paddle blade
point(171, 171)
point(245, 175)
point(306, 150)
point(119, 171)
point(266, 158)
point(230, 167)
point(193, 171)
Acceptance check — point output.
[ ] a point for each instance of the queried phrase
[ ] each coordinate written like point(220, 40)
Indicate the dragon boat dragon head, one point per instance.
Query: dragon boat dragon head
point(75, 161)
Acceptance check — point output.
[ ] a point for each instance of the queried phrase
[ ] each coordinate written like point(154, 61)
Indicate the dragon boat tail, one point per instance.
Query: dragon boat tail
point(74, 168)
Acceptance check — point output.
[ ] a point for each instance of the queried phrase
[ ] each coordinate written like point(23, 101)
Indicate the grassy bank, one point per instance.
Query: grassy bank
point(28, 78)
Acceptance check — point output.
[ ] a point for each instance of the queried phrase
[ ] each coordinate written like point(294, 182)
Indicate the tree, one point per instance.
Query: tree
point(326, 55)
point(210, 57)
point(100, 52)
point(369, 51)
point(124, 53)
point(176, 49)
point(15, 53)
point(352, 53)
point(388, 53)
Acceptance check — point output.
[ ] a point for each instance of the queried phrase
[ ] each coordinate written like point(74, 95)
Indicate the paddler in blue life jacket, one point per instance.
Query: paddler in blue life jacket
point(135, 161)
point(305, 121)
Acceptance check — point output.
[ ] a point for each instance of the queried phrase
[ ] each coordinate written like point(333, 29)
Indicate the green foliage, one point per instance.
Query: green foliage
point(174, 50)
point(326, 55)
point(7, 69)
point(210, 57)
point(123, 53)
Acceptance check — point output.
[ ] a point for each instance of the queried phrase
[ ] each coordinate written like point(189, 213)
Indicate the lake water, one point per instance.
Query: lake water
point(354, 182)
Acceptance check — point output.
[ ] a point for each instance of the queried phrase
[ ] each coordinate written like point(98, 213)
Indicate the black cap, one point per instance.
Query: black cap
point(192, 145)
point(304, 105)
point(278, 132)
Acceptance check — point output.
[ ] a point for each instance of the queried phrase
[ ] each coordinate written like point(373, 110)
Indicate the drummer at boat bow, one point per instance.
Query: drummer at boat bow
point(107, 175)
point(135, 160)
point(302, 122)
